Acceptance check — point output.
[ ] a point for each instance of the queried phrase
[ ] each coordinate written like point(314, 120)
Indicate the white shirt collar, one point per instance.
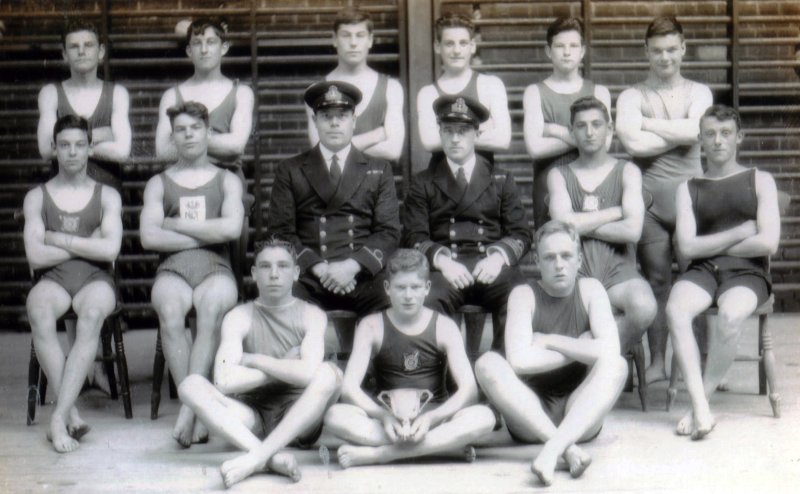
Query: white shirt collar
point(469, 166)
point(342, 154)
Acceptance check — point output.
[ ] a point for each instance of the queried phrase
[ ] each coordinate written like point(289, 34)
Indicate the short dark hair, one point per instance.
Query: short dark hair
point(587, 103)
point(722, 113)
point(72, 122)
point(199, 26)
point(408, 260)
point(352, 16)
point(564, 24)
point(274, 242)
point(75, 24)
point(453, 20)
point(662, 26)
point(191, 108)
point(557, 226)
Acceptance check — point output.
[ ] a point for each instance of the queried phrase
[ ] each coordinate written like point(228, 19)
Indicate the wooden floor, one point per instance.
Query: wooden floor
point(749, 451)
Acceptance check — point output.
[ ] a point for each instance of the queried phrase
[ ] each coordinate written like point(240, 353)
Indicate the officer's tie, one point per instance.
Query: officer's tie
point(336, 171)
point(461, 180)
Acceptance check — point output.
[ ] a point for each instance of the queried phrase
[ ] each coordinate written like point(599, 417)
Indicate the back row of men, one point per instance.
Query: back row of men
point(335, 210)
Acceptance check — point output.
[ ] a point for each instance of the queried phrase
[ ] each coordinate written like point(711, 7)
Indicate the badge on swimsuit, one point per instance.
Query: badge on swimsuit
point(411, 361)
point(69, 223)
point(591, 203)
point(193, 208)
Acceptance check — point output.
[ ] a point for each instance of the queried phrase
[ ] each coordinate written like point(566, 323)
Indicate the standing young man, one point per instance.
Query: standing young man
point(602, 197)
point(380, 127)
point(73, 232)
point(546, 104)
point(728, 225)
point(564, 370)
point(191, 212)
point(658, 123)
point(409, 346)
point(269, 378)
point(455, 44)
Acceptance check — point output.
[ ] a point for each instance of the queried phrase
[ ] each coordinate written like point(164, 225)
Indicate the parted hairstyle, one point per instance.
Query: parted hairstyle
point(452, 20)
point(557, 226)
point(72, 122)
point(408, 260)
point(587, 103)
point(352, 16)
point(564, 24)
point(191, 108)
point(199, 26)
point(274, 242)
point(75, 24)
point(722, 113)
point(662, 26)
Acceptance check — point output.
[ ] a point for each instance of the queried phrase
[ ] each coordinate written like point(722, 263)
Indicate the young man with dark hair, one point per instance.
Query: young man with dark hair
point(409, 346)
point(602, 197)
point(271, 387)
point(73, 233)
point(455, 44)
point(658, 123)
point(564, 370)
point(380, 126)
point(546, 107)
point(466, 216)
point(191, 212)
point(338, 207)
point(728, 224)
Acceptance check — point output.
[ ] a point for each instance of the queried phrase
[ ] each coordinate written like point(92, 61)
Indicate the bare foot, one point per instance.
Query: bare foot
point(703, 425)
point(285, 464)
point(655, 374)
point(240, 468)
point(76, 427)
point(469, 454)
point(184, 427)
point(200, 432)
point(351, 456)
point(59, 436)
point(578, 461)
point(685, 425)
point(544, 467)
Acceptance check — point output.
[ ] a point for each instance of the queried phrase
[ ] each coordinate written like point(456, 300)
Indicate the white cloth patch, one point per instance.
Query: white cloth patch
point(193, 208)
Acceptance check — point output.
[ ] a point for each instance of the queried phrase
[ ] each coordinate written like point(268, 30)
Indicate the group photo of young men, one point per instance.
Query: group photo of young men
point(603, 234)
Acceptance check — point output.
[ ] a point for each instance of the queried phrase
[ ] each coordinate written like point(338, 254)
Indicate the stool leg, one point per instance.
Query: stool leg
point(766, 367)
point(42, 387)
point(158, 377)
point(473, 326)
point(173, 390)
point(33, 385)
point(674, 375)
point(108, 362)
point(122, 367)
point(638, 360)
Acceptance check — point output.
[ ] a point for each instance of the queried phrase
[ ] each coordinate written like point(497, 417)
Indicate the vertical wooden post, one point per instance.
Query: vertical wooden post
point(256, 133)
point(420, 72)
point(586, 7)
point(104, 29)
point(733, 73)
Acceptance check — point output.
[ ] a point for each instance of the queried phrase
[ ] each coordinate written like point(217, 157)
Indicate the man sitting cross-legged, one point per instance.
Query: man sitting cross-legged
point(73, 232)
point(564, 371)
point(191, 212)
point(728, 223)
point(410, 346)
point(269, 378)
point(602, 197)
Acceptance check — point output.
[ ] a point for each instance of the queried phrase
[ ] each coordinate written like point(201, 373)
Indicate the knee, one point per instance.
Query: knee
point(480, 416)
point(327, 379)
point(94, 316)
point(191, 387)
point(487, 369)
point(171, 314)
point(729, 323)
point(337, 415)
point(642, 309)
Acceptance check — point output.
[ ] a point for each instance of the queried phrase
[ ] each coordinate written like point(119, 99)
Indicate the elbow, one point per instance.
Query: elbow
point(148, 239)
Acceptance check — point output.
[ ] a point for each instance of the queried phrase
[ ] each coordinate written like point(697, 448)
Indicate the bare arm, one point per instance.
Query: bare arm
point(165, 148)
point(230, 376)
point(39, 254)
point(118, 147)
point(561, 207)
point(103, 247)
point(231, 145)
point(692, 246)
point(216, 230)
point(368, 339)
point(629, 228)
point(768, 222)
point(637, 141)
point(682, 131)
point(48, 106)
point(151, 220)
point(556, 142)
point(387, 141)
point(525, 356)
point(495, 133)
point(426, 119)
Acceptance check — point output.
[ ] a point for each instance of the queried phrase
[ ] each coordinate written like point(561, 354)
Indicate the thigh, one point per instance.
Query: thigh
point(737, 302)
point(742, 285)
point(171, 290)
point(217, 292)
point(689, 297)
point(50, 297)
point(98, 295)
point(443, 296)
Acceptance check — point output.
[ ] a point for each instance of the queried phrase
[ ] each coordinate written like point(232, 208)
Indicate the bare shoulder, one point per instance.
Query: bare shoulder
point(33, 198)
point(48, 93)
point(427, 93)
point(631, 170)
point(591, 288)
point(110, 197)
point(629, 95)
point(393, 86)
point(313, 316)
point(521, 294)
point(238, 320)
point(120, 91)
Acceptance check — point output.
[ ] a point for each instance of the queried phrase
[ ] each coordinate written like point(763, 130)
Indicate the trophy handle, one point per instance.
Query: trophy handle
point(385, 400)
point(425, 396)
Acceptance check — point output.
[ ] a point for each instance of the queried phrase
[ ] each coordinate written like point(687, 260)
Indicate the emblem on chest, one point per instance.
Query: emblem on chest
point(70, 224)
point(411, 361)
point(591, 202)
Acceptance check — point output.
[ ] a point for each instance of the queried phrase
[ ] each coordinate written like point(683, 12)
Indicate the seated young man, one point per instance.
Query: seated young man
point(73, 232)
point(564, 370)
point(728, 223)
point(191, 212)
point(269, 378)
point(602, 197)
point(410, 346)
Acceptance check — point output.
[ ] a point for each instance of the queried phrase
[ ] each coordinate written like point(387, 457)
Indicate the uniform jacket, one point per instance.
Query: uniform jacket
point(357, 220)
point(489, 215)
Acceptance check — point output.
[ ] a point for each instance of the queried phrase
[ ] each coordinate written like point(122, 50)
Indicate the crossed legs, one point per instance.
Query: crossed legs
point(370, 444)
point(172, 300)
point(636, 301)
point(47, 301)
point(526, 419)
